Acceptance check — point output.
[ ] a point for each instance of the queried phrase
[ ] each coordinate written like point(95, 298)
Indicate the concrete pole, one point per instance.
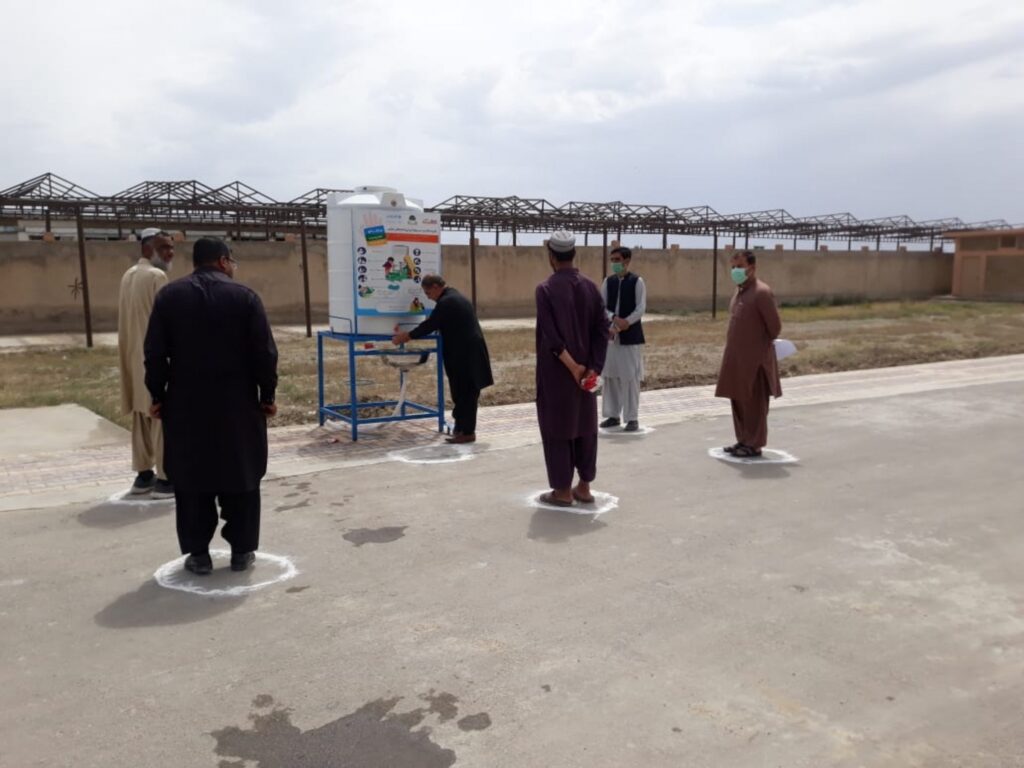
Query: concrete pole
point(85, 277)
point(604, 254)
point(472, 261)
point(305, 278)
point(714, 279)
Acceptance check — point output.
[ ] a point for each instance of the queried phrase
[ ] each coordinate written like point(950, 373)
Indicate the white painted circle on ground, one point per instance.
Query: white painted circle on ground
point(129, 499)
point(173, 575)
point(620, 432)
point(768, 456)
point(603, 502)
point(434, 454)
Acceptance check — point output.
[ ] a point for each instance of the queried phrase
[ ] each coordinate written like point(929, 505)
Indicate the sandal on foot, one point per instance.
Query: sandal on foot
point(731, 449)
point(581, 498)
point(746, 452)
point(550, 499)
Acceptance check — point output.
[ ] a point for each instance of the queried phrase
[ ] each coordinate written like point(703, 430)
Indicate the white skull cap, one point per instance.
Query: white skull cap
point(562, 241)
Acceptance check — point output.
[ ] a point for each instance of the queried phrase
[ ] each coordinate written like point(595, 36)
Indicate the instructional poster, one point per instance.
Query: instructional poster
point(393, 250)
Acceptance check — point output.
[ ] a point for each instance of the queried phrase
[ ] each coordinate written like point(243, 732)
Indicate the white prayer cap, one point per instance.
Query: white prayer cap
point(149, 232)
point(562, 241)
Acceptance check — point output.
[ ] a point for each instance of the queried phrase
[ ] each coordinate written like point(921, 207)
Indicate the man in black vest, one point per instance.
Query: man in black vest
point(466, 360)
point(625, 301)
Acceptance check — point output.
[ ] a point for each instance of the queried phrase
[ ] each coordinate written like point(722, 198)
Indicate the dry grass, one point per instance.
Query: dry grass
point(680, 351)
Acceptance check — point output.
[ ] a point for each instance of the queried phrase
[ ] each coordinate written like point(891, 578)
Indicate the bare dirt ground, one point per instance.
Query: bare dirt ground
point(680, 351)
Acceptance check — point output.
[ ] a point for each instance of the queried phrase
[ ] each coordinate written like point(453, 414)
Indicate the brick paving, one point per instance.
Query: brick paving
point(302, 449)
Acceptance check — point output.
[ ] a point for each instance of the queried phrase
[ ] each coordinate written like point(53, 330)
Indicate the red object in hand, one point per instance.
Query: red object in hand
point(590, 383)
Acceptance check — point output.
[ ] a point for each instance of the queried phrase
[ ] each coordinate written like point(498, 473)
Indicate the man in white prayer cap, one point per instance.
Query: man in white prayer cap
point(572, 341)
point(138, 290)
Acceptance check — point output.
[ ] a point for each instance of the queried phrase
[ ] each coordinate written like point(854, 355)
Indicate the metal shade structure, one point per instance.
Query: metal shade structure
point(240, 210)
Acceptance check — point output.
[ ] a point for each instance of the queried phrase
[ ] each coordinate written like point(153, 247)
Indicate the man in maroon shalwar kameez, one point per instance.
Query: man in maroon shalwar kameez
point(750, 369)
point(572, 339)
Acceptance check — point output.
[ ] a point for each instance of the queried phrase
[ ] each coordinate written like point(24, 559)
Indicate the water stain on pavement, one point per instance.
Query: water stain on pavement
point(444, 705)
point(360, 536)
point(290, 507)
point(372, 736)
point(478, 722)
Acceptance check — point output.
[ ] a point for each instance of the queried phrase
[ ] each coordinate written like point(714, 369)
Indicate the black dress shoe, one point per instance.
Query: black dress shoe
point(200, 565)
point(611, 422)
point(631, 426)
point(144, 483)
point(164, 489)
point(243, 561)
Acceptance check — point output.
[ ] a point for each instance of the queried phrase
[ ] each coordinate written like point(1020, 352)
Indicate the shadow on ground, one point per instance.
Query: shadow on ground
point(761, 471)
point(154, 606)
point(118, 514)
point(555, 527)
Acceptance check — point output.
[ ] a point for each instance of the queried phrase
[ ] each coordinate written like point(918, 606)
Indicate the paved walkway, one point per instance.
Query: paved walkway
point(54, 478)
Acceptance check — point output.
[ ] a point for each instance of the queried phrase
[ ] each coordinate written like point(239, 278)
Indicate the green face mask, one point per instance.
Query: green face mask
point(618, 267)
point(738, 275)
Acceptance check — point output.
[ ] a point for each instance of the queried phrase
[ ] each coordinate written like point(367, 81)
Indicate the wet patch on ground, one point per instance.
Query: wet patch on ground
point(374, 735)
point(360, 536)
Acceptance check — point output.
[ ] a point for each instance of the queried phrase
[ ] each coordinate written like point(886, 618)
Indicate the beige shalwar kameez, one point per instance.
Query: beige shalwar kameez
point(138, 290)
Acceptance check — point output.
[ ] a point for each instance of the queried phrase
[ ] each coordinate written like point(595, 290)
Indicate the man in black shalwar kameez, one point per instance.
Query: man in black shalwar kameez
point(211, 369)
point(466, 360)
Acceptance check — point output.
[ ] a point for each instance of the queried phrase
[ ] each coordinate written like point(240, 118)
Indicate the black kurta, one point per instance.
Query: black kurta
point(210, 361)
point(466, 360)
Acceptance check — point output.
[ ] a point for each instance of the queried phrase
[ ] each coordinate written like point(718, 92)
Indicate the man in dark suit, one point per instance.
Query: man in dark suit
point(211, 369)
point(466, 360)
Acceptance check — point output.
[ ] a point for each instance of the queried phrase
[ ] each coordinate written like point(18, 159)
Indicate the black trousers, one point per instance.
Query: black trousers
point(465, 401)
point(197, 520)
point(563, 458)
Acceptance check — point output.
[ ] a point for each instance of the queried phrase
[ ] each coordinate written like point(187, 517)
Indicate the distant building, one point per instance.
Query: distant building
point(989, 264)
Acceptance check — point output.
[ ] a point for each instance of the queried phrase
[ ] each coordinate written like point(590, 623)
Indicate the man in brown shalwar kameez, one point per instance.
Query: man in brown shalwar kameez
point(750, 370)
point(572, 340)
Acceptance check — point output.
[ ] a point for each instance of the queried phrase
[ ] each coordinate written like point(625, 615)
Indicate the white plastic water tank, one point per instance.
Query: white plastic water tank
point(379, 244)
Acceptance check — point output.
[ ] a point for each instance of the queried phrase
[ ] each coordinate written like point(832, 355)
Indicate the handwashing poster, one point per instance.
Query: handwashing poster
point(394, 249)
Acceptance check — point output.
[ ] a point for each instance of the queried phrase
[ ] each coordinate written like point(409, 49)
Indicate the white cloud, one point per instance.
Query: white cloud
point(802, 104)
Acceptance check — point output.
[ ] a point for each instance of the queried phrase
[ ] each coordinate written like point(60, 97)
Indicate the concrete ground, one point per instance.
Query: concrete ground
point(862, 607)
point(43, 430)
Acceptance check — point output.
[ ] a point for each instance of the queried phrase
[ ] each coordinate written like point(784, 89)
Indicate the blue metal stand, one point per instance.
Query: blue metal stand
point(360, 345)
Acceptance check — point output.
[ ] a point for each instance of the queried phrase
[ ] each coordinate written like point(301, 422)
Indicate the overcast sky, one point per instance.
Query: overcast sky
point(876, 107)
